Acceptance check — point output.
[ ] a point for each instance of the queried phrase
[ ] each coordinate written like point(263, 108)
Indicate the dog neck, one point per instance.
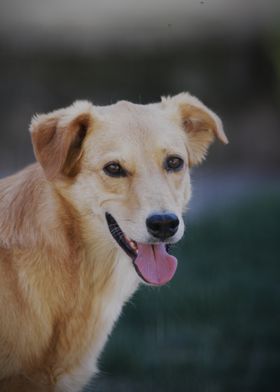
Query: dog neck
point(25, 202)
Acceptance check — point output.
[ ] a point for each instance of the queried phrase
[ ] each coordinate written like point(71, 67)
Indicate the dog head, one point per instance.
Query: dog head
point(126, 168)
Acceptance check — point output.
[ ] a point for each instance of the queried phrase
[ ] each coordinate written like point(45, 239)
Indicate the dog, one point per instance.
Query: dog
point(82, 227)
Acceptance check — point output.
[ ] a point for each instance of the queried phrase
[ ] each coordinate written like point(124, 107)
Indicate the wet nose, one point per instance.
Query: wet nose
point(162, 226)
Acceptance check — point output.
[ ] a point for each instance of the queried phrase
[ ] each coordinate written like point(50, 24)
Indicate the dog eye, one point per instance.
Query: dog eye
point(173, 163)
point(114, 169)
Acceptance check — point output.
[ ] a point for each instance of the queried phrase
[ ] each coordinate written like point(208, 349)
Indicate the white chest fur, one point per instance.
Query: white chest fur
point(124, 282)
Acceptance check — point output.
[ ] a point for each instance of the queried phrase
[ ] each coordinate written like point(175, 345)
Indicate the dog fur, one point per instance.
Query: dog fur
point(64, 279)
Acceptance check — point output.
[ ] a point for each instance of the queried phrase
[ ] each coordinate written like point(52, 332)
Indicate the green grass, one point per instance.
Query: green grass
point(216, 327)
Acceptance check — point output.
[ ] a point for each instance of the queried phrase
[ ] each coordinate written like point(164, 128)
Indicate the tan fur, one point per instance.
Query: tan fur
point(63, 277)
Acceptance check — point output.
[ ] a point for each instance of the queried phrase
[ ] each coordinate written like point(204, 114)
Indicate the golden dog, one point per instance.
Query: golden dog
point(81, 228)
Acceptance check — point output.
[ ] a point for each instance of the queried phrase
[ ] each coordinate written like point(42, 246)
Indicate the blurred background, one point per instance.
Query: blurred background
point(215, 328)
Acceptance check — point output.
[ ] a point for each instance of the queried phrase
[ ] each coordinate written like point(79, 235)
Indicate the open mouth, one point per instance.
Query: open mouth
point(152, 262)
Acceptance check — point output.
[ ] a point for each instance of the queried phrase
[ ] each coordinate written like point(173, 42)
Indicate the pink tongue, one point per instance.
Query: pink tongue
point(154, 264)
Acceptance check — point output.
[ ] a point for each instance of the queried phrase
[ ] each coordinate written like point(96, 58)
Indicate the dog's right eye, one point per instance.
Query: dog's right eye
point(114, 169)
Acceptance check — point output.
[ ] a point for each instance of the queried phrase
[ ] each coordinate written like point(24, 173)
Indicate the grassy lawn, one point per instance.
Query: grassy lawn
point(216, 327)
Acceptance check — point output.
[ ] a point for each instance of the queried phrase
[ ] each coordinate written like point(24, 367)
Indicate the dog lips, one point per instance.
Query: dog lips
point(154, 264)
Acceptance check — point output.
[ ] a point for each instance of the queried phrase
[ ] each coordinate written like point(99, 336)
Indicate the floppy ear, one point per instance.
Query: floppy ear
point(200, 124)
point(57, 138)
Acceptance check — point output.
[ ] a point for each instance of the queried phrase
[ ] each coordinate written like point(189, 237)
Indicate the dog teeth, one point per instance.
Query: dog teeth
point(133, 246)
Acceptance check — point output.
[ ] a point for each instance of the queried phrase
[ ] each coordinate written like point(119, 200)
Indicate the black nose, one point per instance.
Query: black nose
point(162, 226)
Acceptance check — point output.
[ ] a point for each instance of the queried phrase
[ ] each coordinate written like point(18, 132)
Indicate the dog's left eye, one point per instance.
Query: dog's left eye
point(114, 169)
point(173, 163)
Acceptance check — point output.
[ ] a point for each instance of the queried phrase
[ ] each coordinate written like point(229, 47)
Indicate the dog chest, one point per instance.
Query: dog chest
point(105, 308)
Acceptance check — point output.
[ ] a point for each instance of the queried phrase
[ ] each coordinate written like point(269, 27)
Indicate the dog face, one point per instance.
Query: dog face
point(126, 167)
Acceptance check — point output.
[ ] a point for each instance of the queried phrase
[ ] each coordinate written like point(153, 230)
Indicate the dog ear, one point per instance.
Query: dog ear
point(57, 138)
point(200, 124)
